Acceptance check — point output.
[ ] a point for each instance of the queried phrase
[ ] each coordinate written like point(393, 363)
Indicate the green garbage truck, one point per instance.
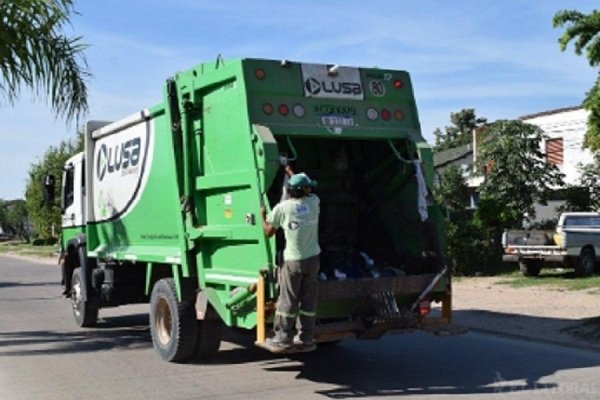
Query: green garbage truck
point(163, 206)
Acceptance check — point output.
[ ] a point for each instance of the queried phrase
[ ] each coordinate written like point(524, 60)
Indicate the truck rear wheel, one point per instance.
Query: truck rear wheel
point(85, 312)
point(172, 323)
point(586, 263)
point(208, 340)
point(530, 267)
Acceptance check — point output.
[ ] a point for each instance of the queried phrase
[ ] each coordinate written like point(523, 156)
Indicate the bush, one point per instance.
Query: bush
point(44, 241)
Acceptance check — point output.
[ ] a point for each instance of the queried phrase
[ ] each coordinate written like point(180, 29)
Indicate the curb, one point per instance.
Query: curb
point(578, 344)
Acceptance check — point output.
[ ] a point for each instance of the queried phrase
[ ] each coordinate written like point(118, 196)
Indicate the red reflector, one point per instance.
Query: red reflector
point(424, 308)
point(386, 114)
point(284, 110)
point(398, 83)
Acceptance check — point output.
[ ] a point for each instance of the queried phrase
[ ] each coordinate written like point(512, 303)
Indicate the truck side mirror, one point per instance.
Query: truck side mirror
point(48, 188)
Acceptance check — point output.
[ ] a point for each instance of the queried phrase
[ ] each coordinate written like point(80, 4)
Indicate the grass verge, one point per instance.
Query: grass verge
point(558, 278)
point(27, 249)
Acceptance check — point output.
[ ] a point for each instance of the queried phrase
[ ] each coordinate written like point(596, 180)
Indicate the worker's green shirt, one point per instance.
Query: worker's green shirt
point(299, 219)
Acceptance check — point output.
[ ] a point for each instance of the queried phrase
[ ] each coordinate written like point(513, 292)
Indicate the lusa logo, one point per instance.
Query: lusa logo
point(315, 86)
point(120, 157)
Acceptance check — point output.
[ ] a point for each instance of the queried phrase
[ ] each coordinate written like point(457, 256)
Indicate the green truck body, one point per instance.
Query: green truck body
point(164, 206)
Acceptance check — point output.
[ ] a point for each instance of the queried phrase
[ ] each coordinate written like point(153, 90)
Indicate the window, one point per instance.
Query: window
point(582, 221)
point(68, 187)
point(554, 151)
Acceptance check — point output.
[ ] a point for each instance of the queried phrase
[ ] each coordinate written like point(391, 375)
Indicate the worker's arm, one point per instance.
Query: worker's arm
point(267, 227)
point(288, 170)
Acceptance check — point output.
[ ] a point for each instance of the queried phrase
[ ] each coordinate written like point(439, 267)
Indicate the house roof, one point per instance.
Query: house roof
point(550, 112)
point(445, 157)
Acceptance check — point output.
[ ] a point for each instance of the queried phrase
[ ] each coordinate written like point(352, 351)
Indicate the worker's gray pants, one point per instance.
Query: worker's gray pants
point(298, 282)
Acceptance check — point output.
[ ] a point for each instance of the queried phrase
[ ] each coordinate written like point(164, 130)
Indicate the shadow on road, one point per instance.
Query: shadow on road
point(396, 365)
point(575, 332)
point(26, 284)
point(418, 365)
point(123, 332)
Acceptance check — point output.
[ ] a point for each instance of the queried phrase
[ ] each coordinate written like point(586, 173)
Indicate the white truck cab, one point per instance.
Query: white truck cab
point(73, 193)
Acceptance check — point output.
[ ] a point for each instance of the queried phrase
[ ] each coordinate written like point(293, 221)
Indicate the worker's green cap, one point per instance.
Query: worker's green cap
point(301, 180)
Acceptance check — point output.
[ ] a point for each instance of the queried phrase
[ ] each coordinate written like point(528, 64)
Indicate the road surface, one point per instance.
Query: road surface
point(43, 355)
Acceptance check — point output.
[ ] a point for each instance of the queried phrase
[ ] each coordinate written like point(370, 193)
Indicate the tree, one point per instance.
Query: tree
point(585, 194)
point(44, 216)
point(17, 219)
point(34, 53)
point(584, 30)
point(517, 175)
point(470, 243)
point(461, 130)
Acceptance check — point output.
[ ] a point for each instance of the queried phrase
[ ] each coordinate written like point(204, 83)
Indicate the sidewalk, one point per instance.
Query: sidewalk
point(536, 313)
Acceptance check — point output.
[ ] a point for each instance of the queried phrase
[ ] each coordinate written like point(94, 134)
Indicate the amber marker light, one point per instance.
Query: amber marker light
point(398, 115)
point(260, 74)
point(267, 108)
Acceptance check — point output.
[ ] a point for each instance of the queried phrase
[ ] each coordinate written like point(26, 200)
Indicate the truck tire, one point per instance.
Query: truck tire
point(530, 268)
point(208, 340)
point(85, 312)
point(172, 323)
point(586, 263)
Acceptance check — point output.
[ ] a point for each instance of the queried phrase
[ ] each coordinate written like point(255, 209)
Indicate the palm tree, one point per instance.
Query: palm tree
point(584, 30)
point(34, 53)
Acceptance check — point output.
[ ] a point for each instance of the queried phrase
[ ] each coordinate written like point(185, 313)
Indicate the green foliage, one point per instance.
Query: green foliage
point(14, 219)
point(453, 193)
point(470, 244)
point(43, 216)
point(36, 54)
point(461, 130)
point(585, 195)
point(518, 175)
point(584, 31)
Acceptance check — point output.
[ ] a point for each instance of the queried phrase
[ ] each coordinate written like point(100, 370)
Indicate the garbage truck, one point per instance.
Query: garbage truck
point(163, 206)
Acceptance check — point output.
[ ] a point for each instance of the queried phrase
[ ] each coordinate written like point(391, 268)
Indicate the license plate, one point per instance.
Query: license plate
point(337, 120)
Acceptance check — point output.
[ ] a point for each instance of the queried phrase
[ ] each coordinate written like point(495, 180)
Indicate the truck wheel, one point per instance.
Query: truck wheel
point(85, 312)
point(172, 324)
point(208, 340)
point(530, 267)
point(587, 262)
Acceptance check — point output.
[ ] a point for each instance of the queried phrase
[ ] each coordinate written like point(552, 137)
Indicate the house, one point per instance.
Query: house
point(565, 128)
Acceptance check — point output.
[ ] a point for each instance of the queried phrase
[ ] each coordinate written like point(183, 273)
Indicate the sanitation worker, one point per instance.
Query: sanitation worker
point(298, 216)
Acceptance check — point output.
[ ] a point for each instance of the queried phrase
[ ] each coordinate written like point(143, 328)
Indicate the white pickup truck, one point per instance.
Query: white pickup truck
point(575, 243)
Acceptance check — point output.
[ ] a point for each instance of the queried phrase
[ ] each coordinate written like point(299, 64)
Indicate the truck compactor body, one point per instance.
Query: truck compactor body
point(164, 206)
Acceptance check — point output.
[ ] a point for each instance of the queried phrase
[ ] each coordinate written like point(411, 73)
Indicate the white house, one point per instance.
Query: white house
point(565, 128)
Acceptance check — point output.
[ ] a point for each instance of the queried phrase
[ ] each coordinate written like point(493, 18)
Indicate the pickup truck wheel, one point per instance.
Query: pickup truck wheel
point(587, 262)
point(85, 312)
point(172, 323)
point(208, 340)
point(530, 267)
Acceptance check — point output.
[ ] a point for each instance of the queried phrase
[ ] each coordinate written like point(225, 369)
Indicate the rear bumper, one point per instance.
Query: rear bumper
point(544, 258)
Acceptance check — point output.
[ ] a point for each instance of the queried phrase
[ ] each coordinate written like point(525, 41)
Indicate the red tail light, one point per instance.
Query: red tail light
point(283, 109)
point(386, 114)
point(398, 84)
point(424, 308)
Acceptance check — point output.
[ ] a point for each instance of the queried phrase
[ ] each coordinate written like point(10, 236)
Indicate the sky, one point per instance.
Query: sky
point(499, 57)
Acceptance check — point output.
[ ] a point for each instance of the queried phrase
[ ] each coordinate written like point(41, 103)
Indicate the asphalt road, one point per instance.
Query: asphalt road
point(43, 355)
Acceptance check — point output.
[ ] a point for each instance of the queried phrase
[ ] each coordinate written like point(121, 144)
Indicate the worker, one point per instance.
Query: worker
point(298, 216)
